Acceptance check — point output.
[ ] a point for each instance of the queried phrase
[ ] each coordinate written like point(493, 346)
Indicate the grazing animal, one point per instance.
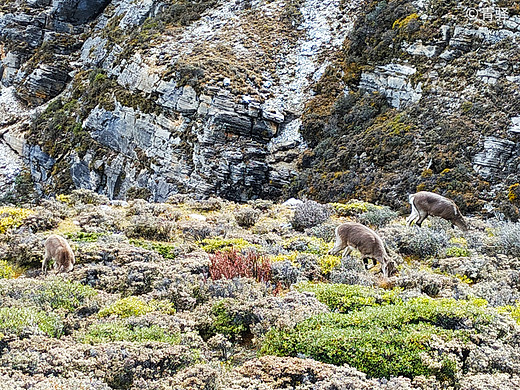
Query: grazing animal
point(57, 248)
point(426, 203)
point(355, 235)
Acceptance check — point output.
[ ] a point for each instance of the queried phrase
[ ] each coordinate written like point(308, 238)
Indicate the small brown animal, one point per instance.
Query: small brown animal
point(426, 203)
point(355, 235)
point(57, 248)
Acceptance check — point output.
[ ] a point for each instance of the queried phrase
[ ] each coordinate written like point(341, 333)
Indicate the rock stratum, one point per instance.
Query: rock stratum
point(243, 99)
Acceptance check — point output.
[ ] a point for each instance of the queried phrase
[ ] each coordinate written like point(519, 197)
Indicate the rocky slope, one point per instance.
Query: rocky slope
point(244, 99)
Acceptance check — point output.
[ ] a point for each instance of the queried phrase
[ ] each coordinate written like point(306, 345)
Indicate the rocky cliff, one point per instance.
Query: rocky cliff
point(332, 99)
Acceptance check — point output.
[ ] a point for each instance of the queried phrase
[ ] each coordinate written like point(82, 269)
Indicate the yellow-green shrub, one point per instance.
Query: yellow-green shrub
point(513, 311)
point(289, 256)
point(16, 320)
point(457, 251)
point(12, 217)
point(354, 207)
point(327, 263)
point(120, 331)
point(134, 306)
point(212, 245)
point(344, 298)
point(6, 270)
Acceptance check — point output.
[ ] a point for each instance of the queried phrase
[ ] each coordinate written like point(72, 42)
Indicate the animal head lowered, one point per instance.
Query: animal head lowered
point(355, 235)
point(426, 203)
point(57, 248)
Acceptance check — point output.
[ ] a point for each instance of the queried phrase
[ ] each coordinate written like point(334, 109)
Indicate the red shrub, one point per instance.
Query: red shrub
point(231, 264)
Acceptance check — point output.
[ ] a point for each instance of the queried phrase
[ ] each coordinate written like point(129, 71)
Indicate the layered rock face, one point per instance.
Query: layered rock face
point(220, 89)
point(253, 98)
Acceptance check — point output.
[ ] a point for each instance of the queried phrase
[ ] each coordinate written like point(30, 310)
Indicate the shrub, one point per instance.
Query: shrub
point(246, 216)
point(351, 271)
point(316, 246)
point(377, 217)
point(84, 236)
point(12, 217)
point(197, 230)
point(211, 204)
point(309, 214)
point(344, 298)
point(261, 204)
point(83, 196)
point(327, 263)
point(324, 231)
point(151, 228)
point(122, 331)
point(513, 311)
point(290, 257)
point(42, 220)
point(63, 294)
point(134, 193)
point(6, 270)
point(508, 238)
point(166, 250)
point(142, 207)
point(134, 306)
point(212, 245)
point(227, 321)
point(421, 242)
point(24, 249)
point(284, 272)
point(353, 207)
point(457, 251)
point(383, 341)
point(18, 320)
point(231, 264)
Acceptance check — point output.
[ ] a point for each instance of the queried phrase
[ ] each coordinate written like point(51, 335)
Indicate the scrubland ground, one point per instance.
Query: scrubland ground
point(212, 294)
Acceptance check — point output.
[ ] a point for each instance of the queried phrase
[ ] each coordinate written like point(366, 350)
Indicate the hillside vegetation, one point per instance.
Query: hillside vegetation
point(210, 294)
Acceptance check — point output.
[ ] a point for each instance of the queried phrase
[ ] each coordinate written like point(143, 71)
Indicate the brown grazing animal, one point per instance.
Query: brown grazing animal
point(57, 248)
point(426, 203)
point(355, 235)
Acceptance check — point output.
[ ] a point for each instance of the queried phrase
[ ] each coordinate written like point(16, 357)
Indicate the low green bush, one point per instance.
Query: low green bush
point(383, 341)
point(211, 245)
point(134, 306)
point(12, 217)
point(166, 250)
point(513, 311)
point(62, 294)
point(18, 320)
point(121, 331)
point(344, 298)
point(84, 236)
point(229, 317)
point(354, 207)
point(457, 251)
point(6, 270)
point(225, 321)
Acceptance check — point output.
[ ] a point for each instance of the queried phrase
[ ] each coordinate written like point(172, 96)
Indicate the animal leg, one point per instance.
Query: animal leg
point(414, 214)
point(45, 262)
point(347, 251)
point(412, 217)
point(421, 219)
